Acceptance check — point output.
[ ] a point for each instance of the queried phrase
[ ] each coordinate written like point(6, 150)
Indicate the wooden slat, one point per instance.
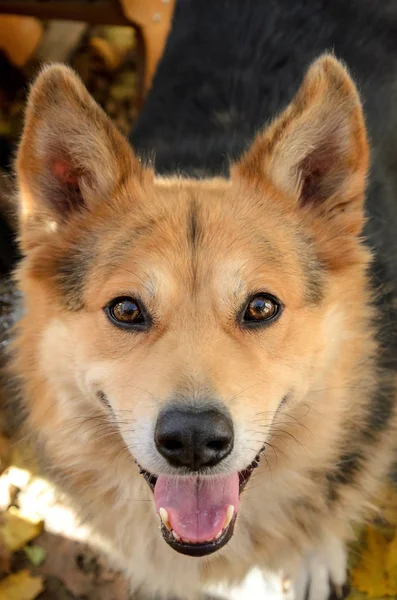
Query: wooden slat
point(153, 18)
point(99, 12)
point(19, 37)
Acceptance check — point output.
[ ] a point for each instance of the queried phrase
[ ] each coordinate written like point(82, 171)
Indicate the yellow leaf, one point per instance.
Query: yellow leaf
point(391, 564)
point(16, 531)
point(369, 574)
point(35, 554)
point(376, 571)
point(20, 586)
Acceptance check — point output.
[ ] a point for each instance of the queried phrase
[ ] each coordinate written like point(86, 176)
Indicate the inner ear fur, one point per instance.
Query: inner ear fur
point(71, 156)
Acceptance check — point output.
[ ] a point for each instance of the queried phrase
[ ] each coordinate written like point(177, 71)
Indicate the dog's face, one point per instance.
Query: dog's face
point(191, 314)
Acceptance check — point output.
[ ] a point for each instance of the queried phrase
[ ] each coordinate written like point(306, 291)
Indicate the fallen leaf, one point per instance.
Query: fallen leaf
point(109, 53)
point(35, 554)
point(20, 586)
point(376, 571)
point(391, 565)
point(16, 531)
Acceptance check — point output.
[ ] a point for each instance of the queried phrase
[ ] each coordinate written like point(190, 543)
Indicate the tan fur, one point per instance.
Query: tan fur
point(262, 230)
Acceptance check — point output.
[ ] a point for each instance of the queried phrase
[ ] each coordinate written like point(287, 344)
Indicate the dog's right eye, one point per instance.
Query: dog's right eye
point(127, 313)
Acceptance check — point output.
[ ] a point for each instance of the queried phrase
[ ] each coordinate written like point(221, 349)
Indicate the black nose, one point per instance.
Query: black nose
point(194, 438)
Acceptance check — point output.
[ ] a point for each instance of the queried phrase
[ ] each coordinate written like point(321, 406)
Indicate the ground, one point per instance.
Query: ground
point(44, 551)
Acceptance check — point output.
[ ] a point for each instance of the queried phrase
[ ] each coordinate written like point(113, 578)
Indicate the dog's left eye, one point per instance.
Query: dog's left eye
point(127, 312)
point(260, 308)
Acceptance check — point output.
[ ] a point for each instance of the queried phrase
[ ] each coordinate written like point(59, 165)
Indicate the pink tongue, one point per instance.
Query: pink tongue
point(197, 507)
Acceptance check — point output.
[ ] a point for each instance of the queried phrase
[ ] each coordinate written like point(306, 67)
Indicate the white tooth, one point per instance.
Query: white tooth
point(218, 535)
point(176, 536)
point(164, 517)
point(229, 516)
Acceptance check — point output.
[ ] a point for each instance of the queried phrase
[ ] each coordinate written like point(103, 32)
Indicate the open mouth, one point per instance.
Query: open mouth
point(198, 513)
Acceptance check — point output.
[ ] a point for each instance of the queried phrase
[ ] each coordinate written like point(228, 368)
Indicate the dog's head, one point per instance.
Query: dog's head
point(194, 316)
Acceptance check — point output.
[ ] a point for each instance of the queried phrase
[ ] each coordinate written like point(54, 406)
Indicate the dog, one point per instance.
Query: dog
point(206, 359)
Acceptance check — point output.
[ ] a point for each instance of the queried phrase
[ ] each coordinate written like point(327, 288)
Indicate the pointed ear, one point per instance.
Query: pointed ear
point(316, 151)
point(71, 157)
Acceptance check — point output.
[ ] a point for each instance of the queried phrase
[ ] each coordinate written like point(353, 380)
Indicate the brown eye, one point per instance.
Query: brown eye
point(261, 308)
point(127, 313)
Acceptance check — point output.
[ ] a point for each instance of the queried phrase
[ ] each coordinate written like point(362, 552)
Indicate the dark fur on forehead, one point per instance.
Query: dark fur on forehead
point(313, 270)
point(71, 270)
point(314, 291)
point(193, 223)
point(71, 275)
